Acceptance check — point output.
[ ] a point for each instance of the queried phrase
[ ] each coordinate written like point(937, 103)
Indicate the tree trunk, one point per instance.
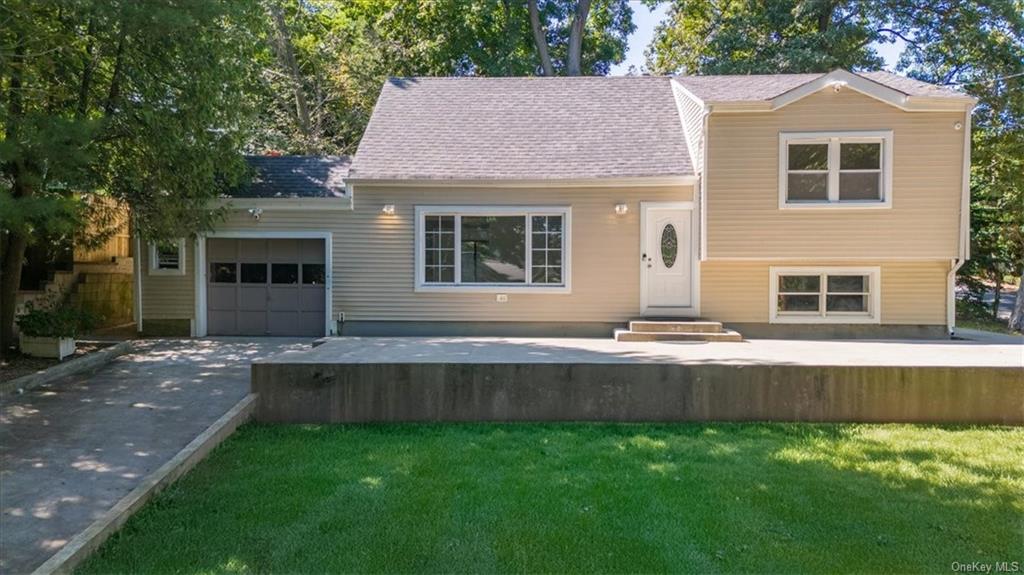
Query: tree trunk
point(17, 240)
point(997, 292)
point(87, 67)
point(286, 56)
point(114, 93)
point(576, 31)
point(1017, 316)
point(10, 279)
point(540, 38)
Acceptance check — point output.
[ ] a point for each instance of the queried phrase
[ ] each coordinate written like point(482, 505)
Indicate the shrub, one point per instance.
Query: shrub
point(53, 319)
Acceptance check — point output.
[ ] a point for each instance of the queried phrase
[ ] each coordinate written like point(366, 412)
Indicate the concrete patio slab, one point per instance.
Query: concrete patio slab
point(531, 379)
point(898, 353)
point(71, 449)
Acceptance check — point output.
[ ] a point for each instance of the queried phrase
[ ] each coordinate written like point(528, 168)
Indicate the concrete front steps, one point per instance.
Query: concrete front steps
point(673, 330)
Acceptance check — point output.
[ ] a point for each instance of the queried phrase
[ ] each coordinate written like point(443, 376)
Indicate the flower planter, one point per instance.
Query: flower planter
point(58, 347)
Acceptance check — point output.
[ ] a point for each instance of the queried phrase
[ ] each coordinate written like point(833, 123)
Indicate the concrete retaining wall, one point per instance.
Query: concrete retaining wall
point(321, 393)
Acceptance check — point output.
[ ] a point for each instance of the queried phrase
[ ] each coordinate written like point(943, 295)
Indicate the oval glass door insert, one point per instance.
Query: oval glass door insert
point(669, 245)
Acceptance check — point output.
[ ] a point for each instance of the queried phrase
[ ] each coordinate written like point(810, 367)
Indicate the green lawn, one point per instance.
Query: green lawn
point(584, 498)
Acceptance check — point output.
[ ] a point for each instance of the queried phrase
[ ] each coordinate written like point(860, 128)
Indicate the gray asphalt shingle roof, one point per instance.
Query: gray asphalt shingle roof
point(295, 177)
point(523, 129)
point(761, 87)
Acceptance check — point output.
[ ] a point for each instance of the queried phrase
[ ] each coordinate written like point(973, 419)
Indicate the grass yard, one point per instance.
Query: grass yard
point(584, 498)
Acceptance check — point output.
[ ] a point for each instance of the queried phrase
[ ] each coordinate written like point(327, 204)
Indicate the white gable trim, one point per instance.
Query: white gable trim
point(691, 146)
point(841, 79)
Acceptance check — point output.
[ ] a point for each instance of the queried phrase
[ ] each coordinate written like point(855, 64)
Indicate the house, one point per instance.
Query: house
point(793, 205)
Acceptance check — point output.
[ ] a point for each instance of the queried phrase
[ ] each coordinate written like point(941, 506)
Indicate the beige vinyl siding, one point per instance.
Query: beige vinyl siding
point(373, 273)
point(375, 278)
point(168, 296)
point(692, 115)
point(913, 292)
point(744, 219)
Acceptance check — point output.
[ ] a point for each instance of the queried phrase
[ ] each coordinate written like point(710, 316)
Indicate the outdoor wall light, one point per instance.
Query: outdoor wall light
point(388, 209)
point(621, 209)
point(256, 213)
point(958, 126)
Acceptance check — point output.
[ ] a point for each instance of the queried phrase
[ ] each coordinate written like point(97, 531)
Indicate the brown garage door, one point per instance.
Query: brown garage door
point(265, 287)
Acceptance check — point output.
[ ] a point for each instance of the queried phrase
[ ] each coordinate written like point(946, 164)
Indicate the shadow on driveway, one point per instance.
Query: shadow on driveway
point(71, 449)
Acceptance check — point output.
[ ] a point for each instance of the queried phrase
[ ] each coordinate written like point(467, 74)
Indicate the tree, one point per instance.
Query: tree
point(977, 47)
point(141, 102)
point(343, 52)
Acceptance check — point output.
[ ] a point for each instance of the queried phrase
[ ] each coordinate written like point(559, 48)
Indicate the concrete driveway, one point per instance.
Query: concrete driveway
point(70, 450)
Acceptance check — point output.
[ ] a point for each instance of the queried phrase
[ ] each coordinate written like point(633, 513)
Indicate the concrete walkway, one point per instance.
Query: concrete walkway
point(71, 449)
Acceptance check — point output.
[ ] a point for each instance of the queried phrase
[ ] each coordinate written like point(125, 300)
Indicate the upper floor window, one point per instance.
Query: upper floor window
point(167, 257)
point(838, 169)
point(492, 248)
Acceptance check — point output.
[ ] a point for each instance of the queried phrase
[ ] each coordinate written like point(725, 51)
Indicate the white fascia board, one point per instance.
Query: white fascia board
point(534, 183)
point(284, 204)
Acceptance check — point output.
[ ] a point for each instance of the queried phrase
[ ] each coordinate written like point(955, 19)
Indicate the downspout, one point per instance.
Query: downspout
point(137, 265)
point(964, 239)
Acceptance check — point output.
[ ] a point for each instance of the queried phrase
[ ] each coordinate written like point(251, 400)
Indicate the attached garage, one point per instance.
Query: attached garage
point(269, 287)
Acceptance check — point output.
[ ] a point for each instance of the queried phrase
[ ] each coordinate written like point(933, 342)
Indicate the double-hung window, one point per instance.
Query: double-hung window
point(825, 295)
point(167, 257)
point(492, 248)
point(839, 169)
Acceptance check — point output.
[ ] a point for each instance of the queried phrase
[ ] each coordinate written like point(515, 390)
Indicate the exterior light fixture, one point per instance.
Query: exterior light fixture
point(388, 209)
point(958, 126)
point(621, 209)
point(256, 213)
point(838, 86)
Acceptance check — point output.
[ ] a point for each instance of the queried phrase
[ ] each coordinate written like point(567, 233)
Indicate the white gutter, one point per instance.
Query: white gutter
point(964, 238)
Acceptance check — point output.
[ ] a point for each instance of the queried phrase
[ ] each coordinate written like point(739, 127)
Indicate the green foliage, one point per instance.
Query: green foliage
point(345, 51)
point(50, 318)
point(143, 102)
point(578, 498)
point(751, 37)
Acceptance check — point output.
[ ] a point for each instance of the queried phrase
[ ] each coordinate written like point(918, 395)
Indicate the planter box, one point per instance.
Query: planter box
point(48, 346)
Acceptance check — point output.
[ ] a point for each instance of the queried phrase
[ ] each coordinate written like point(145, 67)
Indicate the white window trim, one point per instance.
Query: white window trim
point(833, 139)
point(526, 211)
point(873, 316)
point(157, 271)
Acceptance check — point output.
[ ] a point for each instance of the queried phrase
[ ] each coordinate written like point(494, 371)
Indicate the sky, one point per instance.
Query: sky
point(646, 19)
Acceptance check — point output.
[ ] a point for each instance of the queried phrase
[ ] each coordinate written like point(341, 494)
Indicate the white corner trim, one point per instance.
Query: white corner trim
point(153, 262)
point(687, 311)
point(873, 316)
point(200, 320)
point(965, 190)
point(834, 139)
point(422, 211)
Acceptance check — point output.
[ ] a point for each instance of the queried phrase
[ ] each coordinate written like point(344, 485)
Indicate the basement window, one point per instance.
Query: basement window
point(167, 257)
point(492, 249)
point(835, 170)
point(825, 295)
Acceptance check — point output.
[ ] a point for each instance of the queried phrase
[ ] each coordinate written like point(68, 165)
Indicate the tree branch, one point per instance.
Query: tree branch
point(540, 38)
point(579, 24)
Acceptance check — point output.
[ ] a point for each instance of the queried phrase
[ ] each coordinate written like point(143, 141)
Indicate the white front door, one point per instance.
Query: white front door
point(667, 260)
